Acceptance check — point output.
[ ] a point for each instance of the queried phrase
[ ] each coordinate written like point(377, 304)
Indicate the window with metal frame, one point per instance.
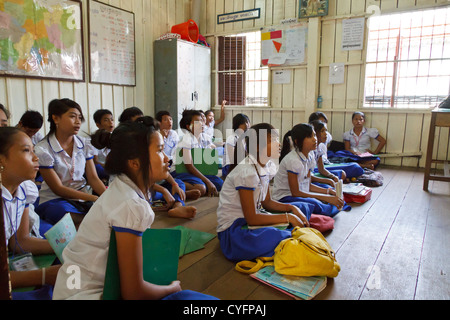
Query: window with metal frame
point(241, 79)
point(408, 59)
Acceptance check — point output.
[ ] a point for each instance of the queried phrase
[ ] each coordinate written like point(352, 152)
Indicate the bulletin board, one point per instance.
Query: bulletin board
point(111, 45)
point(284, 45)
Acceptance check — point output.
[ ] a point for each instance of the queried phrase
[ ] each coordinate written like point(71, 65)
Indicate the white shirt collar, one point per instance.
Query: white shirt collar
point(364, 130)
point(125, 179)
point(56, 147)
point(19, 194)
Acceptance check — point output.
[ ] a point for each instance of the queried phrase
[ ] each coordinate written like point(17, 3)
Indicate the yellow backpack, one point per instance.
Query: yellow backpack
point(306, 254)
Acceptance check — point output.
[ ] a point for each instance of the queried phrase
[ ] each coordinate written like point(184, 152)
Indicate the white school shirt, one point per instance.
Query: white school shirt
point(294, 162)
point(32, 192)
point(121, 207)
point(362, 142)
point(37, 138)
point(244, 176)
point(170, 144)
point(228, 157)
point(69, 169)
point(320, 152)
point(209, 129)
point(102, 154)
point(13, 207)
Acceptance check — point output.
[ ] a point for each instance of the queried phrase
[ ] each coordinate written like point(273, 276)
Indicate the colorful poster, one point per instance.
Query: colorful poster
point(284, 45)
point(41, 38)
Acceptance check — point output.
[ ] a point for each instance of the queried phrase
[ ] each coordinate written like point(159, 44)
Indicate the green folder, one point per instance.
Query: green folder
point(205, 160)
point(160, 248)
point(192, 240)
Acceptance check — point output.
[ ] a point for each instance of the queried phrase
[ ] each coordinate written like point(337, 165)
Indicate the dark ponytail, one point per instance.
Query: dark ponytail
point(250, 142)
point(130, 140)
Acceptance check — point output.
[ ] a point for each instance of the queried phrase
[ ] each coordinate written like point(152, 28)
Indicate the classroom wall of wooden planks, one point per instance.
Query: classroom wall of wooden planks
point(406, 131)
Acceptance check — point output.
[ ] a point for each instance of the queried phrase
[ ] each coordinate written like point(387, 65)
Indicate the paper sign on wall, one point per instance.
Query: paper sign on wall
point(282, 77)
point(336, 73)
point(353, 34)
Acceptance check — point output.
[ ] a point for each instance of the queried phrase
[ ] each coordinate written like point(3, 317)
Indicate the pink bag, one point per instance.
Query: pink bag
point(321, 223)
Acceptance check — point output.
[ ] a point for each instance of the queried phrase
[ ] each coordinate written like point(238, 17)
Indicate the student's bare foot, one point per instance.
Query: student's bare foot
point(193, 194)
point(183, 212)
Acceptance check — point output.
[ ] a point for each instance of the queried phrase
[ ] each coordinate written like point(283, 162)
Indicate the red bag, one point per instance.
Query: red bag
point(321, 223)
point(362, 197)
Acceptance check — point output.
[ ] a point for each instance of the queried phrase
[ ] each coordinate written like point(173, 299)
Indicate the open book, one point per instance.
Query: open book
point(305, 288)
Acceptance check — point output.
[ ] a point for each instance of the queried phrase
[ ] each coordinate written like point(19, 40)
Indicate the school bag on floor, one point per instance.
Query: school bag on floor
point(306, 254)
point(370, 178)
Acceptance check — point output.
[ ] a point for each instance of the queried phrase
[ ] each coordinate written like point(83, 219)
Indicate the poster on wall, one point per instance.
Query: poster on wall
point(353, 34)
point(313, 8)
point(284, 45)
point(41, 39)
point(111, 45)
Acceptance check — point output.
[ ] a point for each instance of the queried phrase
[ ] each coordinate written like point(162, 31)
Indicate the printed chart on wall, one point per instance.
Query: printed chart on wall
point(284, 45)
point(111, 45)
point(41, 39)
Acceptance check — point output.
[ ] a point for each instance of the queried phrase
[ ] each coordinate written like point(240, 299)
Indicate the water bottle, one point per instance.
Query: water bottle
point(319, 102)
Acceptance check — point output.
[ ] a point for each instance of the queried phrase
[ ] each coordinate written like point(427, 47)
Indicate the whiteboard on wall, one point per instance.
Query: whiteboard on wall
point(111, 45)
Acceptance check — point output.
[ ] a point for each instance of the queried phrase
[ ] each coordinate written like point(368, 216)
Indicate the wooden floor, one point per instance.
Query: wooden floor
point(393, 247)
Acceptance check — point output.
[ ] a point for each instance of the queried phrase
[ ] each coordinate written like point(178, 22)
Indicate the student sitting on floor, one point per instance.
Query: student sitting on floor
point(292, 183)
point(335, 172)
point(104, 120)
point(65, 159)
point(244, 195)
point(30, 123)
point(241, 123)
point(171, 140)
point(358, 141)
point(321, 117)
point(137, 160)
point(4, 116)
point(18, 165)
point(130, 114)
point(192, 125)
point(211, 122)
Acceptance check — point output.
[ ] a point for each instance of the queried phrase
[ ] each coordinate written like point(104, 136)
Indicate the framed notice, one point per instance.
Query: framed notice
point(41, 39)
point(111, 45)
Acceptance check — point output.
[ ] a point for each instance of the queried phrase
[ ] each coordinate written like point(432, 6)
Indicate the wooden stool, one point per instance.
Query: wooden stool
point(439, 118)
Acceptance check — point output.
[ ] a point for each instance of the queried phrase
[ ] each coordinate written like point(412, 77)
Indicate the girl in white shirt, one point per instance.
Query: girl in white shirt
point(241, 123)
point(19, 164)
point(192, 125)
point(65, 159)
point(358, 141)
point(245, 196)
point(211, 122)
point(292, 183)
point(137, 160)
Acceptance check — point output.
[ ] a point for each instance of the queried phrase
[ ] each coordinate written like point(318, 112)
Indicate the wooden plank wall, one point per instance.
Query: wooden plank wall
point(152, 19)
point(406, 131)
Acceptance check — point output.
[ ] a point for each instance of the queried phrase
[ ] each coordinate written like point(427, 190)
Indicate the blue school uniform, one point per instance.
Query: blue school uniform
point(70, 171)
point(237, 242)
point(300, 165)
point(189, 142)
point(158, 196)
point(351, 169)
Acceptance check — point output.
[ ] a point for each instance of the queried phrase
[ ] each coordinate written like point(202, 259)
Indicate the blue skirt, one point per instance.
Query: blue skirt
point(54, 210)
point(240, 244)
point(351, 156)
point(351, 169)
point(157, 196)
point(318, 207)
point(189, 295)
point(191, 179)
